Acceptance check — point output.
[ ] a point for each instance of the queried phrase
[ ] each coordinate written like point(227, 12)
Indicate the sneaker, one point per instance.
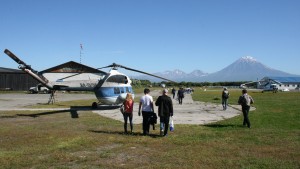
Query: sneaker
point(161, 132)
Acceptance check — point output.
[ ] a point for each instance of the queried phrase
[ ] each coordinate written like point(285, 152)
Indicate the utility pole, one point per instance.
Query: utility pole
point(81, 48)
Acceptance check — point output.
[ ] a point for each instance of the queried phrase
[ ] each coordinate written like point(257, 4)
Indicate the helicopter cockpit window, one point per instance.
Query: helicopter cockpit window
point(117, 90)
point(118, 79)
point(127, 90)
point(125, 80)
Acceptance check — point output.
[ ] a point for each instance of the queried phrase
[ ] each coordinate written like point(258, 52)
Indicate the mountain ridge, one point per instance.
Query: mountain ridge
point(246, 68)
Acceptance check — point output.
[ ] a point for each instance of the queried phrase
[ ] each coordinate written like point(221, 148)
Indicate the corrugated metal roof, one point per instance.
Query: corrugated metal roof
point(72, 67)
point(8, 70)
point(286, 79)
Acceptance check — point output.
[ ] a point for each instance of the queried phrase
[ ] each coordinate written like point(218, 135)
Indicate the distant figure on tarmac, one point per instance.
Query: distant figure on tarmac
point(225, 96)
point(146, 103)
point(180, 95)
point(165, 110)
point(174, 92)
point(245, 101)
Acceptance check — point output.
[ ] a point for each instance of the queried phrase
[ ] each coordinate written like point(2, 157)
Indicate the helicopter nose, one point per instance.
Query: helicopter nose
point(123, 96)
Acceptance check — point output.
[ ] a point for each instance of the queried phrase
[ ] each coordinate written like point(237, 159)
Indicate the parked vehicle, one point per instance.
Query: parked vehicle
point(39, 89)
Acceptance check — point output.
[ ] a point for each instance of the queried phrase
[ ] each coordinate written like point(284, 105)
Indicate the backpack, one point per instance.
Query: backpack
point(247, 100)
point(225, 94)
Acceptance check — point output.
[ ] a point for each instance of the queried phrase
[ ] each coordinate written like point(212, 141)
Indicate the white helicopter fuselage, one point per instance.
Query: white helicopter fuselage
point(114, 88)
point(110, 88)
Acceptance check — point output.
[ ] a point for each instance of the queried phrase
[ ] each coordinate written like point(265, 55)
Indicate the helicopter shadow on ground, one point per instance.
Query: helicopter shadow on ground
point(73, 111)
point(122, 133)
point(223, 125)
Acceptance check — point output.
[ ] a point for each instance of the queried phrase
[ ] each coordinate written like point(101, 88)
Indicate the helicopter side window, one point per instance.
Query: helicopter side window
point(129, 90)
point(117, 90)
point(122, 90)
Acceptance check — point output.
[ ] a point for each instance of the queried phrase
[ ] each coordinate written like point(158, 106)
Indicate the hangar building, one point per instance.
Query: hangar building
point(13, 79)
point(283, 83)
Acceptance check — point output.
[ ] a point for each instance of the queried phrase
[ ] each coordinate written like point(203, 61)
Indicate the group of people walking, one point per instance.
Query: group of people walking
point(245, 100)
point(146, 109)
point(180, 94)
point(165, 108)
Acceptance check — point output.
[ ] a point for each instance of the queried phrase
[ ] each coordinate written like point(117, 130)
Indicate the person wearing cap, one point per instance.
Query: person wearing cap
point(165, 110)
point(146, 104)
point(225, 96)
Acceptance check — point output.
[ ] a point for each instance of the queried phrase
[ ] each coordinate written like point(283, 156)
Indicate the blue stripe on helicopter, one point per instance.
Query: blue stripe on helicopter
point(112, 91)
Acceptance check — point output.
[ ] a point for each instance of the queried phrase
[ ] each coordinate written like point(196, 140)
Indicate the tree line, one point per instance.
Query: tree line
point(147, 83)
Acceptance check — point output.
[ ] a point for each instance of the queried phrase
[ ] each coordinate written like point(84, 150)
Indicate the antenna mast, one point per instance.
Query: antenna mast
point(81, 48)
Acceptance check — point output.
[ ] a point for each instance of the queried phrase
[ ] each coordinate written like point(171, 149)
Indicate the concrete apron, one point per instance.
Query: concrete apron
point(190, 112)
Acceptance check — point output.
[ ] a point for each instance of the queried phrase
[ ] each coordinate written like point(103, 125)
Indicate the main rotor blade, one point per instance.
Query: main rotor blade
point(106, 67)
point(135, 70)
point(150, 74)
point(114, 66)
point(76, 74)
point(70, 76)
point(22, 65)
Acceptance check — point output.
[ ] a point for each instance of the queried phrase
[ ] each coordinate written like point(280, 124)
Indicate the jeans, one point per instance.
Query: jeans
point(126, 116)
point(164, 125)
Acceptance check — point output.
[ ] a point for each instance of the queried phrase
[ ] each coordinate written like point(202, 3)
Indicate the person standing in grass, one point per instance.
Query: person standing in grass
point(146, 104)
point(128, 109)
point(165, 110)
point(225, 96)
point(245, 101)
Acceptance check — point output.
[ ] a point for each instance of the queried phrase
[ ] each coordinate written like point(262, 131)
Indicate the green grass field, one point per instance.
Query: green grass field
point(56, 140)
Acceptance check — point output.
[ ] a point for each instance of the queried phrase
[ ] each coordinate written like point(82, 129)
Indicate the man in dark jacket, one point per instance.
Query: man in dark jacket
point(165, 110)
point(180, 95)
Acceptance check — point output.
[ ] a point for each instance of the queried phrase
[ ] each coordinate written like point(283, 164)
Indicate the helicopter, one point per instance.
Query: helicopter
point(110, 88)
point(263, 86)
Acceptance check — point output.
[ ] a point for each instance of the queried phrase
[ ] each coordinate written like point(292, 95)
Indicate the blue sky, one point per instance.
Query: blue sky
point(152, 35)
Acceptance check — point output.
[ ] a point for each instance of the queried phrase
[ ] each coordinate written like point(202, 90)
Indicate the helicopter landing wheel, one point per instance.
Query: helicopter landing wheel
point(95, 105)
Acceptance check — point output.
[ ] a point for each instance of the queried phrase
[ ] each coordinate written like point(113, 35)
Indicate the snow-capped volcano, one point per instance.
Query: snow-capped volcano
point(247, 59)
point(246, 68)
